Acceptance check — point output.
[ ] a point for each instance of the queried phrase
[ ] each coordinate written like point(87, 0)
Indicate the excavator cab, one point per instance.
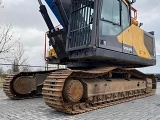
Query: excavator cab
point(103, 31)
point(99, 33)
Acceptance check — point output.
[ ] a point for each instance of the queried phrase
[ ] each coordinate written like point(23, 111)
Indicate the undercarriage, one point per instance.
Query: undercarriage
point(74, 91)
point(25, 85)
point(79, 91)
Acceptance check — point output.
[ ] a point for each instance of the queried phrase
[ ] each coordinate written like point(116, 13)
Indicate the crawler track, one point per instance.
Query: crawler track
point(54, 88)
point(11, 93)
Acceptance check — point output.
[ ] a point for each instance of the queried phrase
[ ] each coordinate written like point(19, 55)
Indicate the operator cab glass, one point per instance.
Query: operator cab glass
point(113, 19)
point(110, 16)
point(125, 16)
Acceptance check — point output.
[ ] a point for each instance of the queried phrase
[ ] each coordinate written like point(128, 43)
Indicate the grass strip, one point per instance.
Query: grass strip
point(1, 84)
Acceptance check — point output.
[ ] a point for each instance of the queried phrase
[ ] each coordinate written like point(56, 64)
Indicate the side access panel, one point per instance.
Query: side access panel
point(138, 42)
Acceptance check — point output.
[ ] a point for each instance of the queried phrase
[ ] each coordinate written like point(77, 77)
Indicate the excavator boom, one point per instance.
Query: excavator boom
point(61, 9)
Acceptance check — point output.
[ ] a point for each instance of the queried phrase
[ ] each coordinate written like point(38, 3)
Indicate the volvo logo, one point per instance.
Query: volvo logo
point(127, 48)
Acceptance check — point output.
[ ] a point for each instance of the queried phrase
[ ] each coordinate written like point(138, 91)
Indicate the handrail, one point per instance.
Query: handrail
point(45, 40)
point(135, 12)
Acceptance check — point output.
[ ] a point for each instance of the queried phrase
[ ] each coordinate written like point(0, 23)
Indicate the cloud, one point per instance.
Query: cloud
point(36, 57)
point(24, 14)
point(29, 36)
point(33, 42)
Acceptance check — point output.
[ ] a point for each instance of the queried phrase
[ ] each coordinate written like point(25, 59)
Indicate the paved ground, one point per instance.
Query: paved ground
point(35, 109)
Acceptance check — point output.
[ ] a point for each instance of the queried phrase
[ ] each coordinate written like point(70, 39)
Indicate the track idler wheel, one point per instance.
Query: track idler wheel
point(73, 91)
point(24, 85)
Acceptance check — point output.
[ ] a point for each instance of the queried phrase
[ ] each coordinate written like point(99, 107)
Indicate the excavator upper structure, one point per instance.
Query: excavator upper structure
point(101, 43)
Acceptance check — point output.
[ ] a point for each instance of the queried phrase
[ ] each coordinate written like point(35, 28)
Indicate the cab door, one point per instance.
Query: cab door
point(110, 25)
point(127, 33)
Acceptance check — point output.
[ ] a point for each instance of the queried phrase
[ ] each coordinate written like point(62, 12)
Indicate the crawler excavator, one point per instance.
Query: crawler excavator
point(101, 43)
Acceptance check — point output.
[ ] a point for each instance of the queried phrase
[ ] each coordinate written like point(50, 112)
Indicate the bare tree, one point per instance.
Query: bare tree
point(9, 71)
point(6, 42)
point(15, 66)
point(1, 70)
point(26, 69)
point(19, 54)
point(19, 58)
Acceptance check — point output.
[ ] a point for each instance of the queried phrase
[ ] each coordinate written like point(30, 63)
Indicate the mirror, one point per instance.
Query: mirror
point(140, 24)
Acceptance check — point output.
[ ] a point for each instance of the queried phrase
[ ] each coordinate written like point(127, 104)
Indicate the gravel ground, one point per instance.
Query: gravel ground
point(35, 109)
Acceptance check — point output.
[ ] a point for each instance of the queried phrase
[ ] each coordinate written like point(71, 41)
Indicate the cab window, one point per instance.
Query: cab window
point(125, 16)
point(110, 17)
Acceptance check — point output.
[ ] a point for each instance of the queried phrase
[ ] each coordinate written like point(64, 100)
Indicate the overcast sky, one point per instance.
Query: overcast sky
point(27, 22)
